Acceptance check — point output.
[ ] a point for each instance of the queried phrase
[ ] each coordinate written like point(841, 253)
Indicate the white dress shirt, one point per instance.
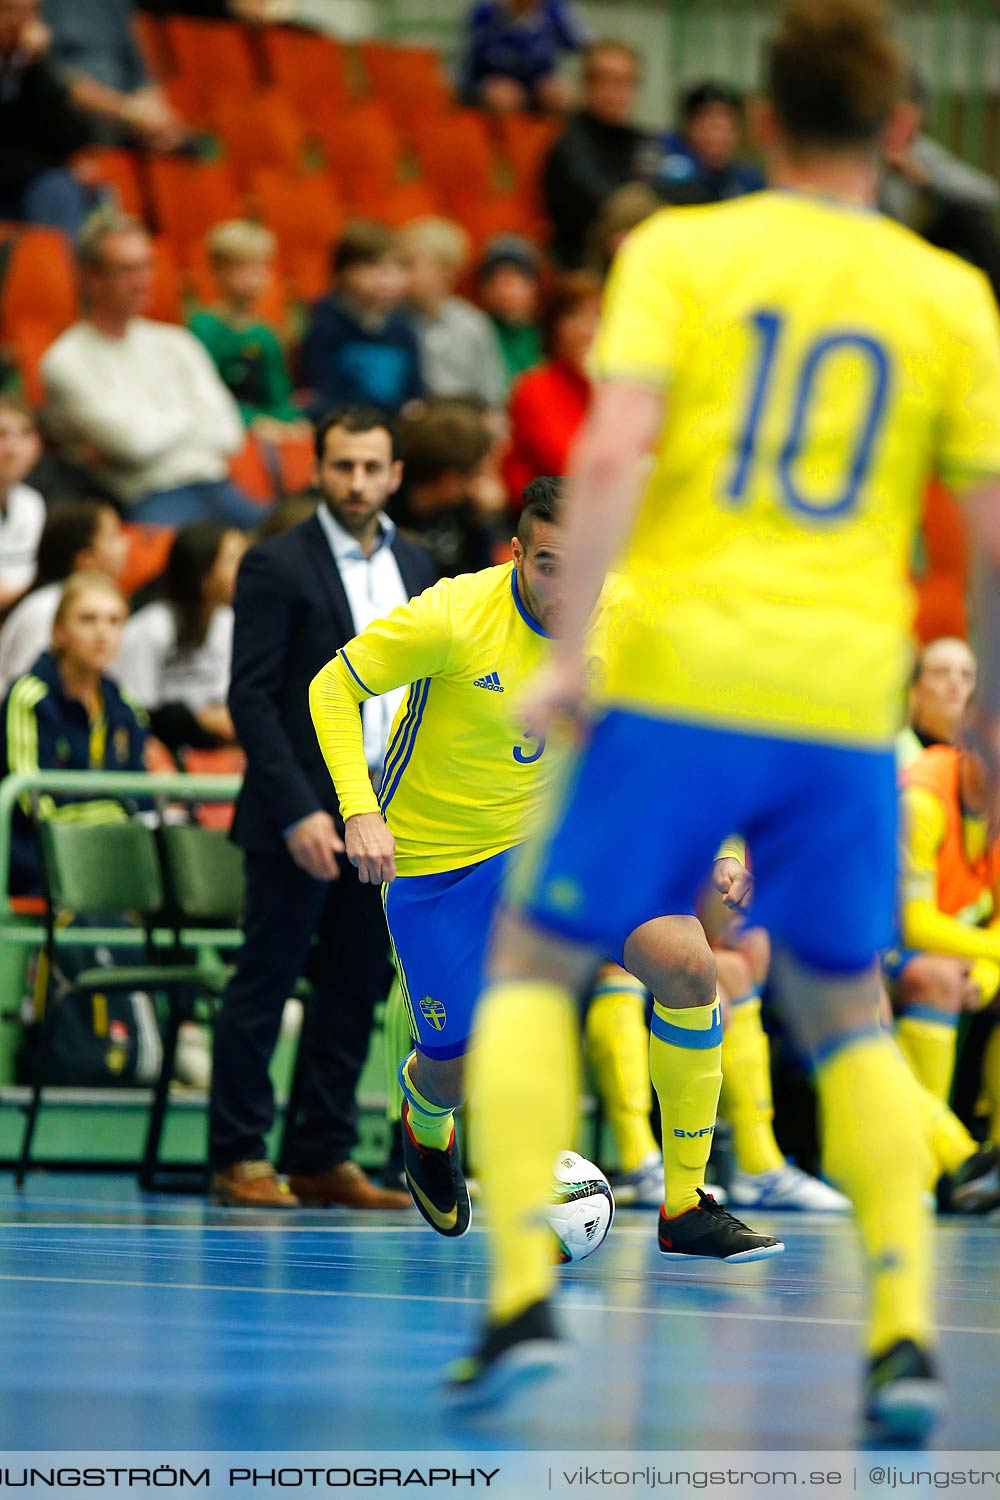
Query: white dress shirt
point(374, 587)
point(152, 670)
point(21, 522)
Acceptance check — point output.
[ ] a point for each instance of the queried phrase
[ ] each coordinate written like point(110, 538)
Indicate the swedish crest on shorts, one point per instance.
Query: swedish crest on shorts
point(434, 1013)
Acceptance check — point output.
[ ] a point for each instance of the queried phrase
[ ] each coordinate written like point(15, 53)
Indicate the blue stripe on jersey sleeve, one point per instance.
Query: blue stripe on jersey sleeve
point(370, 691)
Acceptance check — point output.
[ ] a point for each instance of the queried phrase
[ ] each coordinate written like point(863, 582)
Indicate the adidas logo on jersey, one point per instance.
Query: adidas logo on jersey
point(491, 682)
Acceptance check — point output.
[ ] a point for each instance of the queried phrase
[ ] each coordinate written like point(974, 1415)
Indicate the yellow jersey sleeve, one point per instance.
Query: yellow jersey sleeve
point(970, 435)
point(925, 927)
point(410, 644)
point(641, 318)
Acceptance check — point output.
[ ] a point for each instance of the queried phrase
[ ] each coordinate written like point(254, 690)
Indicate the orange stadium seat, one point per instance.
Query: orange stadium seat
point(27, 343)
point(941, 590)
point(260, 130)
point(411, 200)
point(229, 760)
point(455, 153)
point(362, 149)
point(148, 548)
point(153, 45)
point(296, 465)
point(166, 303)
point(212, 58)
point(118, 171)
point(500, 213)
point(409, 81)
point(307, 67)
point(307, 219)
point(40, 285)
point(527, 140)
point(250, 470)
point(189, 197)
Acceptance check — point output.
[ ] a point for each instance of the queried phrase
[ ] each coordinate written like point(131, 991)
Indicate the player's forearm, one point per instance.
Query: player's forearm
point(335, 699)
point(932, 931)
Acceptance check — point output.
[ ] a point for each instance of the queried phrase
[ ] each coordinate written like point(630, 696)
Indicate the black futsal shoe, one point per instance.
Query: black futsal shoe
point(436, 1183)
point(975, 1187)
point(903, 1395)
point(709, 1233)
point(511, 1355)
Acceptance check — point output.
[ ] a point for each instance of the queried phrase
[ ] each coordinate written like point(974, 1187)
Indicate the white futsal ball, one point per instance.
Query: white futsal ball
point(582, 1209)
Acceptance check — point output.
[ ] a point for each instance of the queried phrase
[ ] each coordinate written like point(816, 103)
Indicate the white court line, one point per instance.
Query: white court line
point(586, 1307)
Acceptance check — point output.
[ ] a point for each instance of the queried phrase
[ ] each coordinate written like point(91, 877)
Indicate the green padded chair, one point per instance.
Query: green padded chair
point(102, 870)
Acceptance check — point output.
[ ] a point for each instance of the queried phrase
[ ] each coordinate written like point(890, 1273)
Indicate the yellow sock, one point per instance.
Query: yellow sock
point(398, 1043)
point(430, 1125)
point(523, 1081)
point(949, 1142)
point(685, 1061)
point(874, 1149)
point(747, 1101)
point(991, 1082)
point(927, 1039)
point(617, 1048)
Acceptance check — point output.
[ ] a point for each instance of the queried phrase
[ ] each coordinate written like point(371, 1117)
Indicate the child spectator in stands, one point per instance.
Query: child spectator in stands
point(548, 404)
point(508, 287)
point(459, 353)
point(449, 498)
point(176, 655)
point(40, 127)
point(360, 347)
point(67, 715)
point(624, 211)
point(137, 402)
point(247, 352)
point(514, 48)
point(22, 509)
point(78, 536)
point(700, 162)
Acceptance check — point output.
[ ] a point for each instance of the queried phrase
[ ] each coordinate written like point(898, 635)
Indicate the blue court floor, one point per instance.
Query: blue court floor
point(134, 1321)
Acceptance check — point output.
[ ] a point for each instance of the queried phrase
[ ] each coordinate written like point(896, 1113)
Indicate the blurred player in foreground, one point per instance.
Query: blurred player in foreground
point(460, 790)
point(796, 365)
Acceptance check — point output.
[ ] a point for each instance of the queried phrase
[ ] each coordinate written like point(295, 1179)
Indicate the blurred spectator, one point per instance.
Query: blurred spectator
point(291, 511)
point(360, 346)
point(599, 150)
point(248, 354)
point(40, 127)
point(548, 404)
point(514, 49)
point(67, 715)
point(22, 509)
point(140, 403)
point(621, 213)
point(177, 651)
point(445, 499)
point(78, 536)
point(459, 353)
point(255, 12)
point(94, 48)
point(940, 197)
point(508, 285)
point(700, 162)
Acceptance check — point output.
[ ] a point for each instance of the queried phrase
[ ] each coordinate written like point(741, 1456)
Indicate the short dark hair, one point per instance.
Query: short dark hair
point(542, 500)
point(362, 244)
point(354, 419)
point(446, 435)
point(834, 72)
point(70, 528)
point(703, 95)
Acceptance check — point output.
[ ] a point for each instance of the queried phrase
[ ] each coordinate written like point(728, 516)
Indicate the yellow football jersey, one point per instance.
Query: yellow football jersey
point(819, 362)
point(462, 779)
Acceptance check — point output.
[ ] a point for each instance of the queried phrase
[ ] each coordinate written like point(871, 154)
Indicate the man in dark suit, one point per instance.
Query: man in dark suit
point(301, 596)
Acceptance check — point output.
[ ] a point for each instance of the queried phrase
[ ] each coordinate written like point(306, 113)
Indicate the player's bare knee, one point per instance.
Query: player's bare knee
point(931, 980)
point(735, 977)
point(672, 958)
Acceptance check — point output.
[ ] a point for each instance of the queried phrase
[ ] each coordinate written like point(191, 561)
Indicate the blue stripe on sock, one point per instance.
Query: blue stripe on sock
point(424, 1106)
point(829, 1049)
point(928, 1013)
point(679, 1036)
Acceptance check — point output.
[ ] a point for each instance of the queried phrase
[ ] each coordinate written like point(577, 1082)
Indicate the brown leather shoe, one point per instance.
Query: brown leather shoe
point(252, 1184)
point(346, 1185)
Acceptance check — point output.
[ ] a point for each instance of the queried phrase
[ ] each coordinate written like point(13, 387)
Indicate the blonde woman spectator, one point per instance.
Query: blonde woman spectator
point(176, 655)
point(247, 352)
point(78, 536)
point(22, 509)
point(624, 211)
point(459, 352)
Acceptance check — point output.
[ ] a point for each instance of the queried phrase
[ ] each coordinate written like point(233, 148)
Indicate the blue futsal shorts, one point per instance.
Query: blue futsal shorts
point(440, 926)
point(646, 803)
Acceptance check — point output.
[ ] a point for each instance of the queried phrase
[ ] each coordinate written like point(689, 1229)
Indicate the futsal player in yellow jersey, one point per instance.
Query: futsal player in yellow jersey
point(776, 377)
point(460, 790)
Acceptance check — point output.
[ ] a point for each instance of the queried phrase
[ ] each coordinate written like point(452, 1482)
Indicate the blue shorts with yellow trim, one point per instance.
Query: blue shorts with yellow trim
point(440, 926)
point(648, 801)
